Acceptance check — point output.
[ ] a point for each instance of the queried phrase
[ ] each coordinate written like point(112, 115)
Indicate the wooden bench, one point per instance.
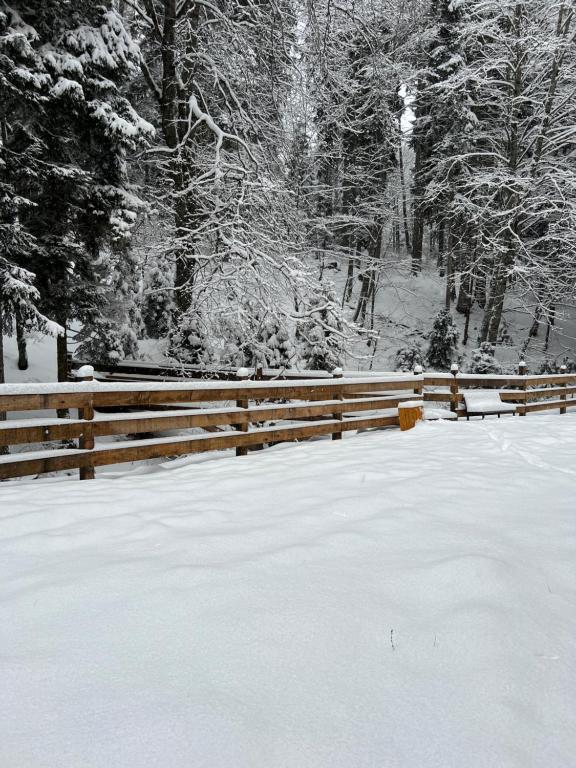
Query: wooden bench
point(486, 402)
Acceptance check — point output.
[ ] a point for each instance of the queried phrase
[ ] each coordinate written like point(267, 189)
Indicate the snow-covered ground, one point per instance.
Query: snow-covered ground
point(394, 600)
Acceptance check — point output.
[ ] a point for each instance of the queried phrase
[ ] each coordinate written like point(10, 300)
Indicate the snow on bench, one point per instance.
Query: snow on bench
point(486, 402)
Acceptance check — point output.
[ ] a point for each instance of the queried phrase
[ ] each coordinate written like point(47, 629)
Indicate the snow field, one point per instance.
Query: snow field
point(394, 600)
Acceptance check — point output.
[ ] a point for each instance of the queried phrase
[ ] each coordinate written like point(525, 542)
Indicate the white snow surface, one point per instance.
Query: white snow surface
point(391, 600)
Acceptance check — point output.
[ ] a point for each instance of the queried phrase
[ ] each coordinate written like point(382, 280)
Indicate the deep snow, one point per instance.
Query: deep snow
point(394, 600)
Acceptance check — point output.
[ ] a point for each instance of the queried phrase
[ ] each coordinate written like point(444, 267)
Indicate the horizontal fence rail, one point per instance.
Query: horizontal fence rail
point(216, 415)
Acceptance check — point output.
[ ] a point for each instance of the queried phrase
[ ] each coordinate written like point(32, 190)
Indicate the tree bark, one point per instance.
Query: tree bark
point(441, 249)
point(349, 281)
point(418, 219)
point(464, 294)
point(3, 449)
point(62, 361)
point(417, 239)
point(404, 198)
point(21, 343)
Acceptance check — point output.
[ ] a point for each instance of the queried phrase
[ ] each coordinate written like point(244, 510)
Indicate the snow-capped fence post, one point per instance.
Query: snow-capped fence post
point(242, 374)
point(419, 385)
point(523, 371)
point(338, 395)
point(454, 387)
point(409, 414)
point(563, 370)
point(86, 440)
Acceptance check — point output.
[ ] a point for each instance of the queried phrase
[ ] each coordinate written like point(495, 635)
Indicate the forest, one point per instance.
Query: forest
point(285, 182)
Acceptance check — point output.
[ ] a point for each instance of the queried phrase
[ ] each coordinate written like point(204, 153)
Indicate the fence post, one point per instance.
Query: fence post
point(242, 374)
point(563, 370)
point(419, 385)
point(409, 414)
point(454, 387)
point(86, 441)
point(523, 371)
point(339, 416)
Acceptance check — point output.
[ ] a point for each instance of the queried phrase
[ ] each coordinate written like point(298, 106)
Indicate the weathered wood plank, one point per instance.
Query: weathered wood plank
point(538, 394)
point(312, 391)
point(67, 430)
point(369, 422)
point(44, 402)
point(511, 395)
point(52, 461)
point(532, 407)
point(153, 449)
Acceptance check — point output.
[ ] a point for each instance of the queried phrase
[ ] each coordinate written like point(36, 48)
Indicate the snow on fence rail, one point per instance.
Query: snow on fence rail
point(235, 414)
point(305, 409)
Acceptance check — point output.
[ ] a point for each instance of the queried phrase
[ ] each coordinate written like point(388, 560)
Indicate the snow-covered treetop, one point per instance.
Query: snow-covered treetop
point(79, 66)
point(107, 47)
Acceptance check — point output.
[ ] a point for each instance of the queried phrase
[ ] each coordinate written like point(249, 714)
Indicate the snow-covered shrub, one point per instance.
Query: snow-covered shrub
point(275, 347)
point(551, 366)
point(443, 341)
point(189, 342)
point(321, 333)
point(158, 306)
point(483, 359)
point(407, 358)
point(106, 342)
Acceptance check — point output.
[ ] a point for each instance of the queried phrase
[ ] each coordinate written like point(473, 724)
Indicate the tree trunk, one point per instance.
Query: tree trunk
point(21, 343)
point(62, 361)
point(467, 325)
point(396, 229)
point(448, 286)
point(360, 314)
point(493, 313)
point(441, 248)
point(535, 327)
point(495, 306)
point(348, 287)
point(173, 97)
point(417, 239)
point(3, 449)
point(417, 218)
point(464, 294)
point(404, 199)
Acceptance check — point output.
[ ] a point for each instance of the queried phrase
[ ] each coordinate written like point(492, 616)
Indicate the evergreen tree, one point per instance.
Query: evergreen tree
point(440, 125)
point(483, 360)
point(407, 358)
point(66, 129)
point(442, 341)
point(321, 333)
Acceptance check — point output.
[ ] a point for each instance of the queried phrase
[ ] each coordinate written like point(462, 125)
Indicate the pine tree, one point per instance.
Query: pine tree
point(407, 358)
point(66, 130)
point(483, 360)
point(442, 341)
point(441, 116)
point(321, 333)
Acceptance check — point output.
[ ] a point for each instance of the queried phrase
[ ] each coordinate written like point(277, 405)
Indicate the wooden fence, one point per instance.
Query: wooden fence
point(235, 414)
point(232, 414)
point(529, 393)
